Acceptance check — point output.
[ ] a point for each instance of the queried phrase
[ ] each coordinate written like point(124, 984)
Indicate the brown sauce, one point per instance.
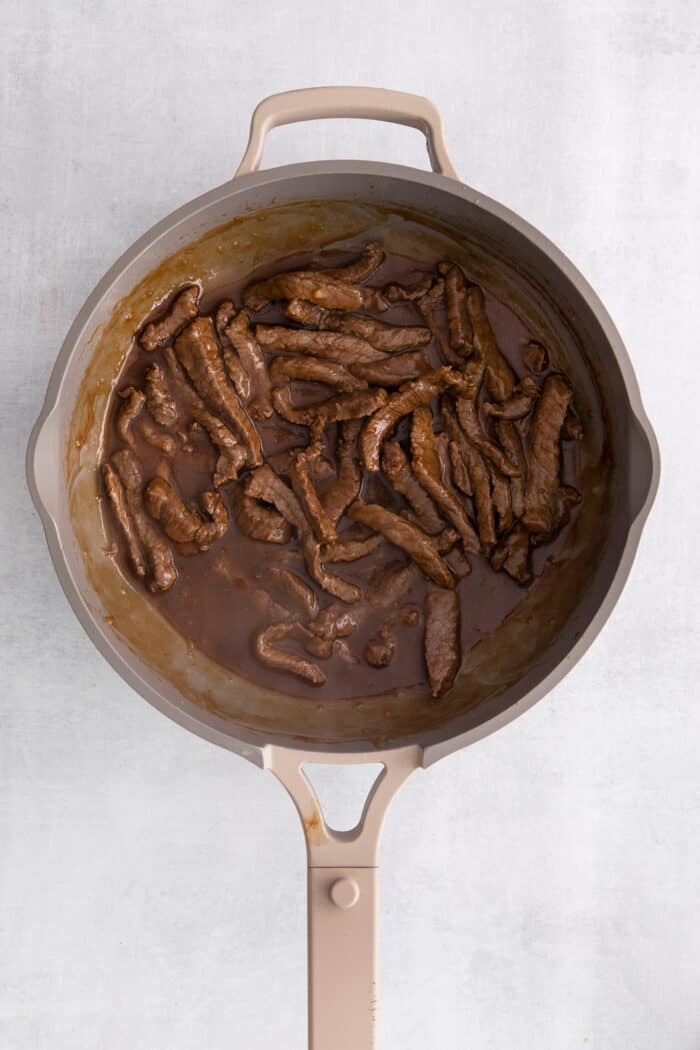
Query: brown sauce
point(216, 602)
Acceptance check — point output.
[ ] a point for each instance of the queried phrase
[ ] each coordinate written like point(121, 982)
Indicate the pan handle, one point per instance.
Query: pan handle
point(342, 895)
point(395, 107)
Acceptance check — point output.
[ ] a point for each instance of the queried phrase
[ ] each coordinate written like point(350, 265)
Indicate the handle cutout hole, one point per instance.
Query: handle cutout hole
point(342, 790)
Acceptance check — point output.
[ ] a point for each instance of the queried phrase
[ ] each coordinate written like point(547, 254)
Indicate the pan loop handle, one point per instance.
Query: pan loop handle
point(395, 107)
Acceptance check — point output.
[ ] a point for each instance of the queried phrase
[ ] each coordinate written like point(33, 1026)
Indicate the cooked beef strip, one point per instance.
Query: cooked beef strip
point(460, 328)
point(299, 476)
point(397, 468)
point(267, 652)
point(133, 402)
point(344, 549)
point(256, 520)
point(501, 498)
point(390, 338)
point(572, 429)
point(431, 306)
point(401, 293)
point(314, 370)
point(499, 376)
point(544, 457)
point(408, 397)
point(389, 582)
point(312, 285)
point(460, 473)
point(117, 501)
point(159, 400)
point(442, 643)
point(335, 621)
point(403, 534)
point(393, 371)
point(513, 555)
point(157, 437)
point(346, 488)
point(517, 405)
point(536, 357)
point(237, 374)
point(427, 468)
point(379, 651)
point(369, 260)
point(295, 590)
point(240, 334)
point(335, 409)
point(335, 346)
point(512, 444)
point(466, 386)
point(198, 351)
point(158, 554)
point(184, 308)
point(479, 482)
point(179, 522)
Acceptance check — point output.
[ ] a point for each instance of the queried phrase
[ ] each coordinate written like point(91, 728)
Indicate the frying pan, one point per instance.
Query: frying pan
point(255, 218)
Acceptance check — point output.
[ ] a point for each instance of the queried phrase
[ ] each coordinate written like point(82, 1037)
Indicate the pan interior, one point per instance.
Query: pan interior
point(555, 610)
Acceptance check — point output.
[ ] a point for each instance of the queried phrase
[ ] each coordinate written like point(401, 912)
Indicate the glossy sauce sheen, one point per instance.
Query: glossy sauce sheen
point(214, 602)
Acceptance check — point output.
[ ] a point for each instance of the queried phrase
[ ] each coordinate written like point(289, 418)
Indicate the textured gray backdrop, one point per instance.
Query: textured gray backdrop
point(540, 890)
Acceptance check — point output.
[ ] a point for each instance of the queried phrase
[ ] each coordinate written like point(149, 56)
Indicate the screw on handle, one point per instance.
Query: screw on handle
point(395, 107)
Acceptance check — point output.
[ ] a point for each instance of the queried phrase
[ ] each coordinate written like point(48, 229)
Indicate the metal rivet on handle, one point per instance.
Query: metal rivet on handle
point(345, 893)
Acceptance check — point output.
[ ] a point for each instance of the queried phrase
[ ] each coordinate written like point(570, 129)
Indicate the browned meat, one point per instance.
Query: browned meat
point(159, 400)
point(256, 520)
point(398, 470)
point(480, 483)
point(536, 357)
point(427, 468)
point(346, 488)
point(393, 371)
point(266, 485)
point(282, 660)
point(460, 474)
point(517, 405)
point(335, 346)
point(179, 522)
point(212, 503)
point(400, 293)
point(184, 308)
point(513, 555)
point(501, 499)
point(458, 563)
point(198, 351)
point(460, 328)
point(352, 549)
point(117, 501)
point(335, 409)
point(379, 651)
point(446, 540)
point(313, 370)
point(408, 397)
point(312, 285)
point(431, 307)
point(240, 335)
point(442, 641)
point(223, 316)
point(295, 590)
point(512, 444)
point(335, 621)
point(232, 455)
point(499, 376)
point(403, 534)
point(573, 428)
point(158, 554)
point(155, 436)
point(237, 373)
point(134, 401)
point(321, 525)
point(388, 583)
point(544, 458)
point(467, 385)
point(388, 337)
point(371, 259)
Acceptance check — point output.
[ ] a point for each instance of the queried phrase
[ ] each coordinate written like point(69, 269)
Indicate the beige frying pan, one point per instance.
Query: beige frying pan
point(251, 220)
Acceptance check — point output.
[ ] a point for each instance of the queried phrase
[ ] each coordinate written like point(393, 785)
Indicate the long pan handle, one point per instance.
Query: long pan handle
point(395, 107)
point(342, 896)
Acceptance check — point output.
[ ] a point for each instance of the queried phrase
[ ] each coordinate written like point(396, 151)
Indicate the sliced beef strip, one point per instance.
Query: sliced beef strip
point(257, 521)
point(240, 335)
point(225, 312)
point(158, 554)
point(401, 293)
point(403, 534)
point(390, 338)
point(512, 444)
point(295, 590)
point(182, 310)
point(266, 485)
point(314, 370)
point(544, 456)
point(389, 582)
point(312, 285)
point(380, 649)
point(460, 474)
point(335, 409)
point(346, 488)
point(117, 501)
point(179, 522)
point(428, 469)
point(517, 405)
point(157, 437)
point(461, 335)
point(232, 455)
point(393, 371)
point(159, 400)
point(501, 499)
point(478, 474)
point(397, 468)
point(572, 429)
point(133, 402)
point(431, 306)
point(536, 357)
point(335, 621)
point(370, 259)
point(408, 397)
point(512, 555)
point(198, 351)
point(466, 386)
point(350, 549)
point(299, 475)
point(335, 346)
point(442, 640)
point(499, 377)
point(280, 659)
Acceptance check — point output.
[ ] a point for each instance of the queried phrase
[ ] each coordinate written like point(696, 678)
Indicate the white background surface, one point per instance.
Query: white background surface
point(540, 890)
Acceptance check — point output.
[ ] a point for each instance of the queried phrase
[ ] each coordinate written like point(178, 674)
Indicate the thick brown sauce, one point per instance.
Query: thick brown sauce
point(219, 611)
